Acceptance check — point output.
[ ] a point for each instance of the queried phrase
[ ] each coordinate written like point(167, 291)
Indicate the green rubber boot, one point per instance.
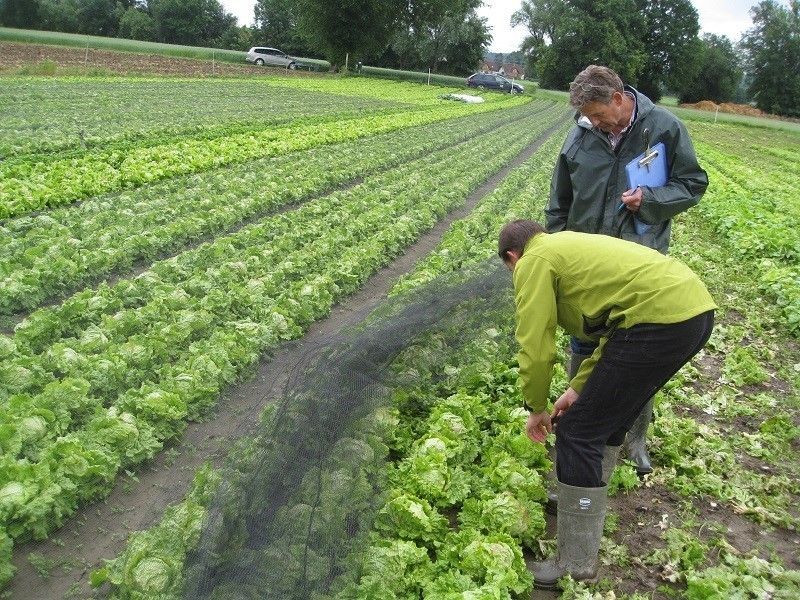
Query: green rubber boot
point(581, 513)
point(636, 440)
point(610, 457)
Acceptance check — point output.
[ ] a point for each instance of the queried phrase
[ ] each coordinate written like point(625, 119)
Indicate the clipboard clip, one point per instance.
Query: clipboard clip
point(649, 155)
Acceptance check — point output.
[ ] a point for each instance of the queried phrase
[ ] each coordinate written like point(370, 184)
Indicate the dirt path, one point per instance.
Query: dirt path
point(99, 531)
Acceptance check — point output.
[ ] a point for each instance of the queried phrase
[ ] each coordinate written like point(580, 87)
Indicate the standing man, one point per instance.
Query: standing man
point(589, 191)
point(649, 313)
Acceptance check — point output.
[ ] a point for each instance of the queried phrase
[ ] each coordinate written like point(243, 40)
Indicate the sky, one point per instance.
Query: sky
point(729, 18)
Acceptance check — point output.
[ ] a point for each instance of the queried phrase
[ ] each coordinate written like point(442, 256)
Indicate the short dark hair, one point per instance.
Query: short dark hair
point(514, 236)
point(594, 84)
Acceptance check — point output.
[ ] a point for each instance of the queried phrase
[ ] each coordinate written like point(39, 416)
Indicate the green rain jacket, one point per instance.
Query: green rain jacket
point(592, 285)
point(589, 179)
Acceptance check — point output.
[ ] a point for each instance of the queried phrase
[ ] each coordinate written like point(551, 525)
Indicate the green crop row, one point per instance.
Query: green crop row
point(472, 240)
point(129, 364)
point(47, 255)
point(752, 201)
point(57, 114)
point(35, 185)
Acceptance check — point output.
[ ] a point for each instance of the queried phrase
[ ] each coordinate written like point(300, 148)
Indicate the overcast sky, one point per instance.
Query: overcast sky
point(729, 18)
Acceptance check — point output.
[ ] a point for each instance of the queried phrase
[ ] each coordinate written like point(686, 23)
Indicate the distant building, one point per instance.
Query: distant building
point(510, 70)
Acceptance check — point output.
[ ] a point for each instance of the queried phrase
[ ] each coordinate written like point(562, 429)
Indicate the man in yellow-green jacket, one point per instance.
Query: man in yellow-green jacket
point(650, 314)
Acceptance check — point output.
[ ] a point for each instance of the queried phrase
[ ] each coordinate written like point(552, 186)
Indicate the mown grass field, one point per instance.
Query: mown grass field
point(155, 253)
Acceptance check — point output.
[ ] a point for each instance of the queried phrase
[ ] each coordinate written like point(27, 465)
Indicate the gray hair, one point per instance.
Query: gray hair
point(594, 84)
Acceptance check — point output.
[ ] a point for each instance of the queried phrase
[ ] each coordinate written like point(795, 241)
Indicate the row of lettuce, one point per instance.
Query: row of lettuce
point(461, 500)
point(40, 181)
point(752, 201)
point(50, 254)
point(101, 381)
point(52, 115)
point(63, 114)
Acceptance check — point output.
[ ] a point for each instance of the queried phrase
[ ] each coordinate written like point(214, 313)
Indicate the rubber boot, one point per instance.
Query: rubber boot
point(636, 440)
point(575, 361)
point(551, 481)
point(610, 457)
point(581, 513)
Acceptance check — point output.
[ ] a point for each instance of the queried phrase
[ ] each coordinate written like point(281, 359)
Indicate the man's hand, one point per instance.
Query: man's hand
point(562, 405)
point(538, 426)
point(632, 199)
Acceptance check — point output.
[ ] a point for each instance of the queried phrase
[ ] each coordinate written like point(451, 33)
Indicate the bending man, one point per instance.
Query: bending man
point(589, 190)
point(648, 313)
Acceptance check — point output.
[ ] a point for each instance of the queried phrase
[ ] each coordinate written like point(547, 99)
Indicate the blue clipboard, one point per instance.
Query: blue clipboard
point(649, 169)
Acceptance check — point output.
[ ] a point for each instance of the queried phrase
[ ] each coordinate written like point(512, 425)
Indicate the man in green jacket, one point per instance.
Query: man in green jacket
point(589, 190)
point(649, 315)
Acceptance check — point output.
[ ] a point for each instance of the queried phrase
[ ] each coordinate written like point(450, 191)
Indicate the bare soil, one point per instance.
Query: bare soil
point(643, 515)
point(15, 56)
point(735, 109)
point(99, 531)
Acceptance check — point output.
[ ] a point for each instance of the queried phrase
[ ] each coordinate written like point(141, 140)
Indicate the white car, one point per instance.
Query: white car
point(261, 56)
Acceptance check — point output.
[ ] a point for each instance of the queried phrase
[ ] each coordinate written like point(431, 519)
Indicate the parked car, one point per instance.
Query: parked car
point(490, 81)
point(270, 56)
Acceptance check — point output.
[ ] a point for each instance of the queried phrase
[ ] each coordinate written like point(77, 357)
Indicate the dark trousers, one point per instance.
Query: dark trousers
point(635, 364)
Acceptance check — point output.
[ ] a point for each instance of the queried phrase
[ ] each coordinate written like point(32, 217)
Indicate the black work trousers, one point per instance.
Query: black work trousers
point(636, 362)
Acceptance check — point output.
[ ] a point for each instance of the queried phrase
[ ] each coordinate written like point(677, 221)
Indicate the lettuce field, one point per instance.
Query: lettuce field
point(254, 343)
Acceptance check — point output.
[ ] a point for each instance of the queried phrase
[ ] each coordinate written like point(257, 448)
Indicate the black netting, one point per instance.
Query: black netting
point(297, 500)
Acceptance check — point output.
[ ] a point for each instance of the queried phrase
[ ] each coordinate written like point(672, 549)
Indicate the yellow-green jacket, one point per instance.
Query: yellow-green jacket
point(591, 285)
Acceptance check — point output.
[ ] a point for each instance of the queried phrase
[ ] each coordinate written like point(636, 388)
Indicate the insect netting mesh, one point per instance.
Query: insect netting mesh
point(298, 501)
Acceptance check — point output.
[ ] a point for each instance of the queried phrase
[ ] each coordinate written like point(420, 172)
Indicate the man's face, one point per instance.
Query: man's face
point(606, 117)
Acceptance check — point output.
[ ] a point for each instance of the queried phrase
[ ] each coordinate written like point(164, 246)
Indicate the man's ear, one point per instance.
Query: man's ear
point(512, 256)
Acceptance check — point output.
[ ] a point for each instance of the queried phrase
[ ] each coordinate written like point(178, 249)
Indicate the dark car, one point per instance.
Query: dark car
point(490, 81)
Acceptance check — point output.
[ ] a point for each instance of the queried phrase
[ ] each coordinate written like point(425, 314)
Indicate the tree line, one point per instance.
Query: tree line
point(445, 36)
point(654, 45)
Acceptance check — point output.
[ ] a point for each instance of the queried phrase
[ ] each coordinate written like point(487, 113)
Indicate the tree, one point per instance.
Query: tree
point(445, 36)
point(669, 30)
point(190, 22)
point(717, 73)
point(97, 17)
point(58, 15)
point(567, 35)
point(276, 22)
point(136, 24)
point(450, 33)
point(19, 13)
point(540, 17)
point(354, 27)
point(772, 47)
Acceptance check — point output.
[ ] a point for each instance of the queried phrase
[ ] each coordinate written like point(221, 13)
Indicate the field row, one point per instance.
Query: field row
point(47, 115)
point(109, 375)
point(752, 201)
point(53, 253)
point(56, 115)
